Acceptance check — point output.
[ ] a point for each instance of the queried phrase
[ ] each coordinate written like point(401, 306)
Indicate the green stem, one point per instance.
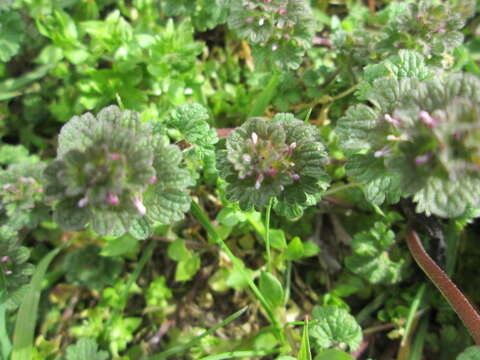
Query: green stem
point(200, 215)
point(263, 100)
point(267, 234)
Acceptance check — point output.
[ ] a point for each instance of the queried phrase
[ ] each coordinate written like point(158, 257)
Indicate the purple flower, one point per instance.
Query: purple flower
point(83, 202)
point(272, 171)
point(422, 159)
point(4, 259)
point(381, 152)
point(249, 20)
point(113, 199)
point(391, 120)
point(427, 119)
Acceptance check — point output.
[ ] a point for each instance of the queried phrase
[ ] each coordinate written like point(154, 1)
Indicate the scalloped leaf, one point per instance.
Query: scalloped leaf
point(331, 327)
point(381, 184)
point(85, 349)
point(11, 34)
point(371, 259)
point(448, 198)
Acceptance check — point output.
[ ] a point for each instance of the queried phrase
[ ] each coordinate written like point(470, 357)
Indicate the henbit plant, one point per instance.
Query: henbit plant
point(279, 30)
point(421, 140)
point(432, 28)
point(281, 159)
point(113, 173)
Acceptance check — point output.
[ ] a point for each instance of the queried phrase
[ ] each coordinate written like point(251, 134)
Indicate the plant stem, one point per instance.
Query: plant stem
point(462, 306)
point(267, 234)
point(200, 215)
point(263, 100)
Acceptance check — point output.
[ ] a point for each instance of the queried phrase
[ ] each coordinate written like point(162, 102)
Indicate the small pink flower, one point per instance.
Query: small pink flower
point(115, 156)
point(282, 11)
point(249, 20)
point(295, 177)
point(137, 201)
point(422, 159)
point(391, 120)
point(4, 259)
point(152, 180)
point(427, 118)
point(82, 202)
point(267, 1)
point(381, 152)
point(272, 171)
point(286, 37)
point(113, 199)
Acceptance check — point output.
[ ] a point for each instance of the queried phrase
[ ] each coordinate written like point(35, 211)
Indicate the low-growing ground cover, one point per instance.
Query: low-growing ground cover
point(248, 179)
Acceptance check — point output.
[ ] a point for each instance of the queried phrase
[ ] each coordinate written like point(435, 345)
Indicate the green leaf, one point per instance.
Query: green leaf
point(331, 326)
point(11, 34)
point(295, 249)
point(85, 266)
point(407, 64)
point(271, 288)
point(85, 349)
point(381, 184)
point(372, 259)
point(178, 251)
point(470, 353)
point(333, 354)
point(187, 268)
point(277, 239)
point(120, 246)
point(190, 120)
point(141, 229)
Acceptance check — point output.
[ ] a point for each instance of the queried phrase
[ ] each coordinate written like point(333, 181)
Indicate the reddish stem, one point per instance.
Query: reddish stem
point(462, 306)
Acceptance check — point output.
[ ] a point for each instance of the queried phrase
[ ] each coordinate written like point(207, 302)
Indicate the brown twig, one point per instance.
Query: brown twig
point(462, 306)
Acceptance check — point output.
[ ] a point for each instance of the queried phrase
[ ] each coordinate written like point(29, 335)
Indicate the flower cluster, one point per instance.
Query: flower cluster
point(281, 159)
point(429, 27)
point(425, 135)
point(21, 195)
point(110, 169)
point(15, 271)
point(280, 30)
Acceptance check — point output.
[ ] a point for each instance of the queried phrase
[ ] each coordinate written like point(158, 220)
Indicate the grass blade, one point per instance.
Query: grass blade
point(246, 354)
point(27, 314)
point(304, 353)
